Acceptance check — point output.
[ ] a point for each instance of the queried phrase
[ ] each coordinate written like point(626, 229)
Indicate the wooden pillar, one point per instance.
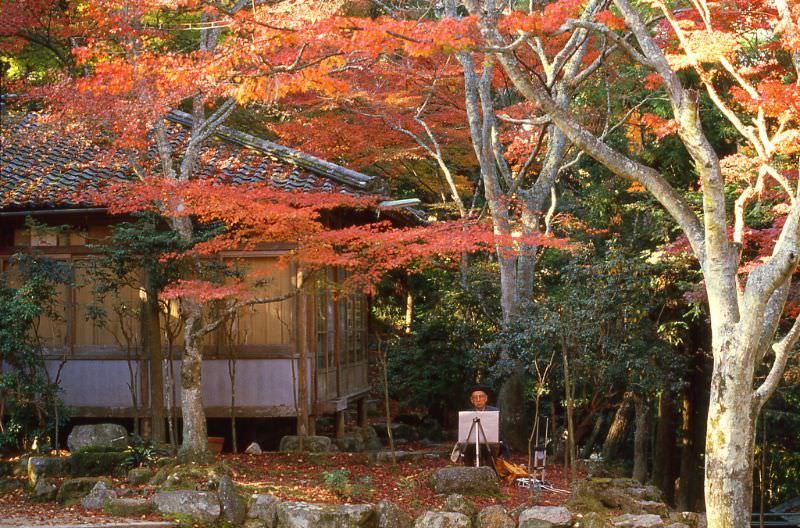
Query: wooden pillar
point(302, 358)
point(340, 424)
point(152, 360)
point(362, 412)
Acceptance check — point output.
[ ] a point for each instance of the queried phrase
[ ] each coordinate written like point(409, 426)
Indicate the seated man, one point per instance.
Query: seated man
point(479, 398)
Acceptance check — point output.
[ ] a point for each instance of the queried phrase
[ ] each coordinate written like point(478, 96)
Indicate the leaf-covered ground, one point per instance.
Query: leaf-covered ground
point(331, 478)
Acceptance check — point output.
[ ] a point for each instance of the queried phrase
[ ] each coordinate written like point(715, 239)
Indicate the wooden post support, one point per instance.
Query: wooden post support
point(362, 412)
point(339, 424)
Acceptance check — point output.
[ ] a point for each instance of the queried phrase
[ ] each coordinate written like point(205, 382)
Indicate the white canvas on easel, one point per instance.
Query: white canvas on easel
point(490, 422)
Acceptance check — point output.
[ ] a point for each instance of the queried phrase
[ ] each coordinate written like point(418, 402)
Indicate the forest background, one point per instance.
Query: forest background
point(605, 303)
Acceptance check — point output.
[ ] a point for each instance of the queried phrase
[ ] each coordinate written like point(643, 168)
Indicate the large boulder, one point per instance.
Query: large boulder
point(234, 508)
point(91, 463)
point(311, 444)
point(39, 467)
point(253, 449)
point(630, 520)
point(458, 503)
point(442, 520)
point(465, 480)
point(201, 506)
point(101, 493)
point(106, 435)
point(264, 509)
point(545, 517)
point(129, 507)
point(306, 515)
point(44, 490)
point(494, 516)
point(139, 475)
point(73, 490)
point(391, 516)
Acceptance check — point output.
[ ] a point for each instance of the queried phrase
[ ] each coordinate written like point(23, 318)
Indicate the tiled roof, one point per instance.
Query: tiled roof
point(39, 165)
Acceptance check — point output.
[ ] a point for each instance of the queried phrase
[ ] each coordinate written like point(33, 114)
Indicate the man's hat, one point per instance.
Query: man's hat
point(480, 387)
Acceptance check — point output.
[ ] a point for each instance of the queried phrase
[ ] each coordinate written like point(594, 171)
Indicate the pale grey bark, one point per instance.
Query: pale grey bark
point(742, 326)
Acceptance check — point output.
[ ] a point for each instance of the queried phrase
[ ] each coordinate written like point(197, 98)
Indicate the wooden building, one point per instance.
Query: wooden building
point(102, 368)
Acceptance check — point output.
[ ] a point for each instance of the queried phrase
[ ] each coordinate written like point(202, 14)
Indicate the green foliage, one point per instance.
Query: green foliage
point(432, 365)
point(142, 452)
point(32, 408)
point(339, 481)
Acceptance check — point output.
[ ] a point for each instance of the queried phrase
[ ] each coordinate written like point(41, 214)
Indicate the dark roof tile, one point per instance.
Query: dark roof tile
point(38, 167)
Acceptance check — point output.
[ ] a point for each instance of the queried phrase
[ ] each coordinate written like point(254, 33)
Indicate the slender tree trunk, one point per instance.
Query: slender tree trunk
point(665, 456)
point(302, 359)
point(693, 426)
point(619, 428)
point(151, 339)
point(588, 447)
point(641, 440)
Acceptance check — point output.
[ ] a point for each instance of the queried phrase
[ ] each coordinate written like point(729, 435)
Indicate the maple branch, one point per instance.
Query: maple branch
point(781, 349)
point(610, 35)
point(729, 114)
point(524, 169)
point(533, 90)
point(786, 18)
point(209, 125)
point(295, 63)
point(548, 218)
point(778, 177)
point(235, 307)
point(535, 121)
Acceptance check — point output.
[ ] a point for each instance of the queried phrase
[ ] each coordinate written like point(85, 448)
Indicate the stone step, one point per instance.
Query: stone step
point(114, 524)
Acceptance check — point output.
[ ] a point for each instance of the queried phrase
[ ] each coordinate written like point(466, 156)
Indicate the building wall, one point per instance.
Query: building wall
point(100, 359)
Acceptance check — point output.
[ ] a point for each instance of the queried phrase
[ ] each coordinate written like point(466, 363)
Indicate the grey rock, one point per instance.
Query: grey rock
point(442, 520)
point(391, 516)
point(677, 525)
point(648, 493)
point(494, 517)
point(202, 506)
point(350, 443)
point(545, 517)
point(20, 469)
point(657, 508)
point(253, 449)
point(306, 515)
point(467, 480)
point(458, 503)
point(264, 508)
point(690, 519)
point(592, 520)
point(97, 498)
point(75, 489)
point(44, 490)
point(97, 435)
point(47, 467)
point(234, 508)
point(140, 475)
point(630, 520)
point(311, 444)
point(7, 485)
point(129, 507)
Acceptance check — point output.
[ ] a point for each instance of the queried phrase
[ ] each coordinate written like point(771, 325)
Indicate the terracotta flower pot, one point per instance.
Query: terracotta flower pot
point(215, 444)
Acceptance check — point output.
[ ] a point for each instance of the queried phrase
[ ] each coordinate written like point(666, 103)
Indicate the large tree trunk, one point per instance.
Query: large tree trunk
point(730, 439)
point(641, 438)
point(195, 435)
point(619, 428)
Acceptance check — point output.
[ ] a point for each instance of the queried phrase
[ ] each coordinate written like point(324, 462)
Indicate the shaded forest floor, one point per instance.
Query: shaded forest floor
point(319, 478)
